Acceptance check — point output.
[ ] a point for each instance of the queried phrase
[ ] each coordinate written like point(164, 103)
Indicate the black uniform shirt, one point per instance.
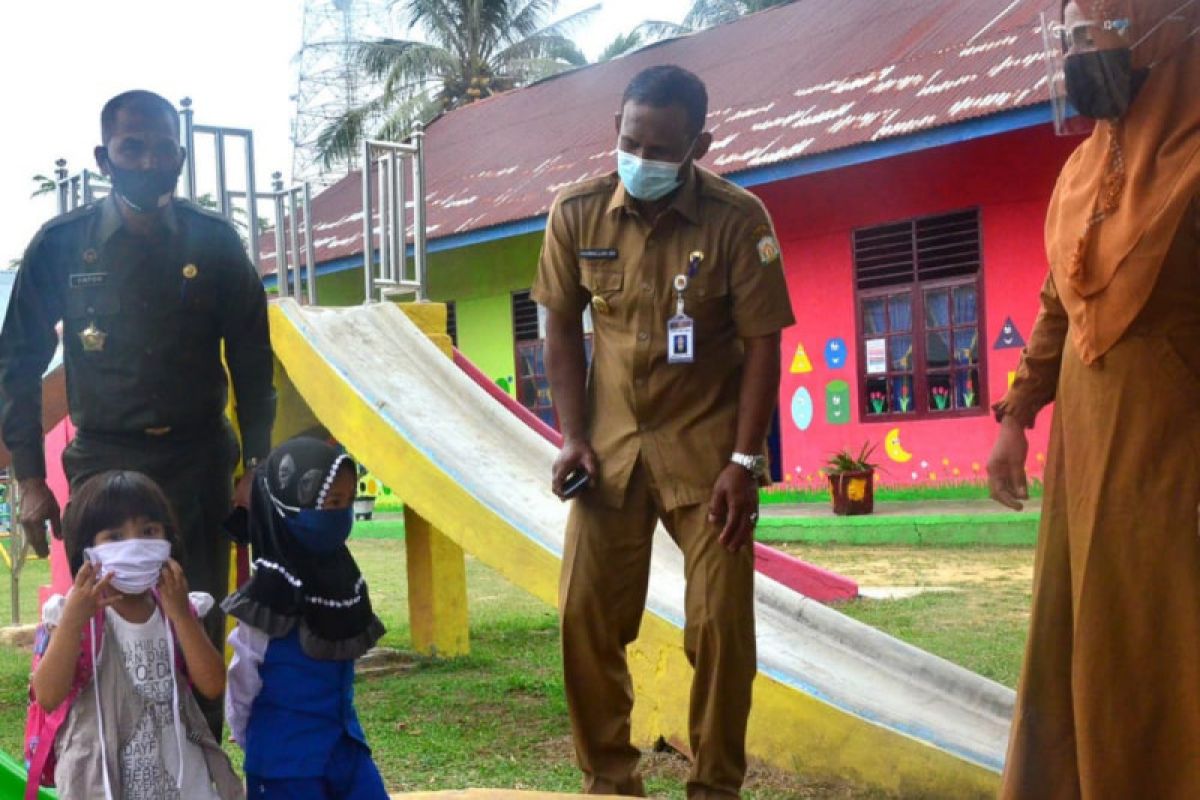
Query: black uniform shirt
point(143, 321)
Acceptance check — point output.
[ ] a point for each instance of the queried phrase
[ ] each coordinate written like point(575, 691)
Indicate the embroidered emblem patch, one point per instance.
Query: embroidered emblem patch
point(90, 256)
point(768, 249)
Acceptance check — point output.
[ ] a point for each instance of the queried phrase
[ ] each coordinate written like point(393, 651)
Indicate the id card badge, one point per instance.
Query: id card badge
point(681, 340)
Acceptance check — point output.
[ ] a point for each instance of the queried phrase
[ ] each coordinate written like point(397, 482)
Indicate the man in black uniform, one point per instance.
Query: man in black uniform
point(148, 288)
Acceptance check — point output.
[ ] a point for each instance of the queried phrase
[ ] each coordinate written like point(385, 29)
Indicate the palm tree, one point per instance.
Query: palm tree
point(45, 185)
point(475, 49)
point(706, 13)
point(703, 14)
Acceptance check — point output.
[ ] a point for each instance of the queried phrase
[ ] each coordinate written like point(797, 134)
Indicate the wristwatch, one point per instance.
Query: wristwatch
point(755, 465)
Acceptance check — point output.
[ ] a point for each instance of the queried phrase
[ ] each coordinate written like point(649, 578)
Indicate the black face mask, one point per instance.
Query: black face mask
point(1103, 83)
point(142, 188)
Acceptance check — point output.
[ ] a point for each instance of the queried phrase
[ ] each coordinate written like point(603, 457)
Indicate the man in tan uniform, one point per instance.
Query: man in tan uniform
point(683, 275)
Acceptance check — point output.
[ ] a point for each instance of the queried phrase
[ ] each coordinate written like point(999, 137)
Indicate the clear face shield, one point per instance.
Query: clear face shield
point(1095, 46)
point(1089, 59)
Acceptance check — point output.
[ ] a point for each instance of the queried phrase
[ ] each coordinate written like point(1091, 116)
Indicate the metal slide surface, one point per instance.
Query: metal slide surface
point(481, 476)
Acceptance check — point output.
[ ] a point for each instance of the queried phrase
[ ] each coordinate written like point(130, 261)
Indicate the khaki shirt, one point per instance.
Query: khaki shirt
point(680, 419)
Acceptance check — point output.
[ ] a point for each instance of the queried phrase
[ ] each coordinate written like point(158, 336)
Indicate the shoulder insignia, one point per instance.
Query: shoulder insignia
point(768, 249)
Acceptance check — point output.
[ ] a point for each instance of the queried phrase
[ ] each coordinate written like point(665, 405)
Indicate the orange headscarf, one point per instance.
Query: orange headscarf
point(1122, 195)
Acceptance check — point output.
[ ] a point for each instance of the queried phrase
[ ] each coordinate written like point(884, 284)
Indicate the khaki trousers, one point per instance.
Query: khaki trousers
point(606, 566)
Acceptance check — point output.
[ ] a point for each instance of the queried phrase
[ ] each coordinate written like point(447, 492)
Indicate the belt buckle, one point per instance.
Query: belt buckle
point(162, 431)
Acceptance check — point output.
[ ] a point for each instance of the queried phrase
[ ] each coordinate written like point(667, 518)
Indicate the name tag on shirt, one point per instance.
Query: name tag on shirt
point(599, 254)
point(681, 340)
point(82, 280)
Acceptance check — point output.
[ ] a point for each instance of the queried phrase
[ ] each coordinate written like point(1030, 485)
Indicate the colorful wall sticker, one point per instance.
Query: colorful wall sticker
point(837, 403)
point(895, 451)
point(800, 362)
point(1009, 336)
point(835, 353)
point(802, 409)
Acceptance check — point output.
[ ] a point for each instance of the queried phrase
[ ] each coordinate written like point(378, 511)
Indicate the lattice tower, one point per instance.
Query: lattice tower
point(329, 83)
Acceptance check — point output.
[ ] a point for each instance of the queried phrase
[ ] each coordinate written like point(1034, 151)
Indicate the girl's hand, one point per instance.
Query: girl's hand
point(89, 594)
point(173, 591)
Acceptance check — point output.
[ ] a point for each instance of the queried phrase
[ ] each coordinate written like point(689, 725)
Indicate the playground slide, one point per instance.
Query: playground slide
point(833, 697)
point(808, 579)
point(12, 780)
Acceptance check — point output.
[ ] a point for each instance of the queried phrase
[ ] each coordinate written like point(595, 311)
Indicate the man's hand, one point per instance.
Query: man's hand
point(1006, 466)
point(38, 507)
point(173, 590)
point(734, 505)
point(574, 453)
point(241, 492)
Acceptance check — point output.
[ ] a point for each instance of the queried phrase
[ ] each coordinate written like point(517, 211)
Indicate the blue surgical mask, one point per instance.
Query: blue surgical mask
point(648, 180)
point(321, 530)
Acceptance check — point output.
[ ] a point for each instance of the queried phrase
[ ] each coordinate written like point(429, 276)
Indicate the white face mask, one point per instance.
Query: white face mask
point(136, 564)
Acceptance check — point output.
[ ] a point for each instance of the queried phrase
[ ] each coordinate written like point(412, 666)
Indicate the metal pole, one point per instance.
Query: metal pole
point(294, 234)
point(189, 144)
point(385, 218)
point(310, 253)
point(16, 547)
point(418, 137)
point(365, 173)
point(87, 186)
point(222, 189)
point(281, 264)
point(74, 192)
point(251, 201)
point(60, 175)
point(396, 174)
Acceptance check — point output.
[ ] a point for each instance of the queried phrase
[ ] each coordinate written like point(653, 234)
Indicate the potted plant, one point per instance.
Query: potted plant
point(852, 481)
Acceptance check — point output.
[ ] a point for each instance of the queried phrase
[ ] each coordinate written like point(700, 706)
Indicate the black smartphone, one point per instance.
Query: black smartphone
point(575, 482)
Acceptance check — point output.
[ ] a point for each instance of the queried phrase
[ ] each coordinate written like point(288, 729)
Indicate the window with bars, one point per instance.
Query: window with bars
point(920, 318)
point(529, 335)
point(452, 321)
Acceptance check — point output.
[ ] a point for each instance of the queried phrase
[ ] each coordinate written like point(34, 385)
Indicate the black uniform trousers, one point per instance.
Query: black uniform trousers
point(195, 471)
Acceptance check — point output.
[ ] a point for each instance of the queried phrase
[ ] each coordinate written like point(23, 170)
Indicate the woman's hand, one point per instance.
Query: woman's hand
point(1006, 466)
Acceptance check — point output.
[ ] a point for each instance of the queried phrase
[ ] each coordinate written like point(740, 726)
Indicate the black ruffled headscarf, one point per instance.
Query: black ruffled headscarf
point(322, 593)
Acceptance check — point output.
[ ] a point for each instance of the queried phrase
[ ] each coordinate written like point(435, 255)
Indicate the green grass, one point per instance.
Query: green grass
point(981, 624)
point(780, 494)
point(495, 718)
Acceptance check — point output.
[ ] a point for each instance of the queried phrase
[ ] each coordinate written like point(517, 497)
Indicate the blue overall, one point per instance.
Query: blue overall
point(303, 740)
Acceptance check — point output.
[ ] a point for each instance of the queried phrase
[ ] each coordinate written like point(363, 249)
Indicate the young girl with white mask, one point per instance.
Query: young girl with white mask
point(120, 653)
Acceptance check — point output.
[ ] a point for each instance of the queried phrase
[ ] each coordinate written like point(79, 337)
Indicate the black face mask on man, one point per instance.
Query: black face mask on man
point(143, 189)
point(1102, 84)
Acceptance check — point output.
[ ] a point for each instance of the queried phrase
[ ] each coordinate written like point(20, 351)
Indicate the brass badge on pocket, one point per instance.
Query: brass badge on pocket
point(92, 338)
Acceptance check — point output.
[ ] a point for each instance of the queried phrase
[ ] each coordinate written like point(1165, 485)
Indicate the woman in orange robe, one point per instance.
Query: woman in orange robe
point(1109, 700)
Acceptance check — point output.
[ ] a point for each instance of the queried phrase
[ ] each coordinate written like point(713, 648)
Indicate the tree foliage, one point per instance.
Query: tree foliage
point(471, 49)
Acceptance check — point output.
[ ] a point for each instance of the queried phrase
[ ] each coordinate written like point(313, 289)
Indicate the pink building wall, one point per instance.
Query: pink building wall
point(1010, 178)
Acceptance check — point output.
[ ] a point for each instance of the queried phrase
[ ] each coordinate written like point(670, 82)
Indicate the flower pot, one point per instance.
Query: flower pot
point(853, 492)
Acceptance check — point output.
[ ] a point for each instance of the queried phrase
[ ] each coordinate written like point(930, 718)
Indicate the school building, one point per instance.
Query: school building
point(907, 155)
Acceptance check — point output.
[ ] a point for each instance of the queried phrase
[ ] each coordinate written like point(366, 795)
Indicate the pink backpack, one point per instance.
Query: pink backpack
point(41, 726)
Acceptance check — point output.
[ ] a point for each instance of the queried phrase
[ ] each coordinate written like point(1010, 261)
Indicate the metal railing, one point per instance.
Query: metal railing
point(384, 177)
point(295, 259)
point(73, 191)
point(224, 196)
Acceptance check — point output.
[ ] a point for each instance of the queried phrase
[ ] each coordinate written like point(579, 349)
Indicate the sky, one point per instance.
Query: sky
point(61, 59)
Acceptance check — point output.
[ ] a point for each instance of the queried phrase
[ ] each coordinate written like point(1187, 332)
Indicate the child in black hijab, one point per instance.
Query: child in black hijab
point(303, 619)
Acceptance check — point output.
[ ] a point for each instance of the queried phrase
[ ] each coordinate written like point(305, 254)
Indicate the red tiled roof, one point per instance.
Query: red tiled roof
point(784, 84)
